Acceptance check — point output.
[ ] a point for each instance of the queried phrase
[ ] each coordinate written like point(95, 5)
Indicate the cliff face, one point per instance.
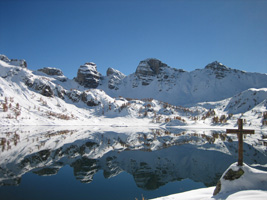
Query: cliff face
point(88, 76)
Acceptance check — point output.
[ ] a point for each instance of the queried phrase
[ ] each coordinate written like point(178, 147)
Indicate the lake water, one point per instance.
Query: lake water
point(116, 163)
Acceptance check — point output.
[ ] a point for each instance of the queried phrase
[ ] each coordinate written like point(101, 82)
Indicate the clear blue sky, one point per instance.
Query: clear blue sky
point(185, 34)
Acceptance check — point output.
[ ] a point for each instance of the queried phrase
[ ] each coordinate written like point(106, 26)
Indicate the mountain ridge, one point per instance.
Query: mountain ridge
point(155, 92)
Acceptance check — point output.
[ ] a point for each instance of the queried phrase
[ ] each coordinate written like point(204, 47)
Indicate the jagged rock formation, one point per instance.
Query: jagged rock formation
point(56, 73)
point(115, 78)
point(51, 71)
point(16, 62)
point(88, 76)
point(149, 68)
point(219, 69)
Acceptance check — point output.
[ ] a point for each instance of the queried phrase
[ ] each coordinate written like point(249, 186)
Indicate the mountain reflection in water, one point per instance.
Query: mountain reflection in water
point(152, 157)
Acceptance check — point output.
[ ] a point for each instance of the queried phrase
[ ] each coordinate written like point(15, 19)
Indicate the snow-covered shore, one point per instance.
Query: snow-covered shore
point(250, 185)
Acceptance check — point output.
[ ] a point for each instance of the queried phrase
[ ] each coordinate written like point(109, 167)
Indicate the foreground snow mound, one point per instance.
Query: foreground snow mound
point(237, 178)
point(238, 182)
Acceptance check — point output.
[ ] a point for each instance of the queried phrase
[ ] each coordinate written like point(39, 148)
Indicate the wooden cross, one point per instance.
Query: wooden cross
point(240, 131)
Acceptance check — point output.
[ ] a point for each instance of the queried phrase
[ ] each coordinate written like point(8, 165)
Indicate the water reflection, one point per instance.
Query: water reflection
point(153, 157)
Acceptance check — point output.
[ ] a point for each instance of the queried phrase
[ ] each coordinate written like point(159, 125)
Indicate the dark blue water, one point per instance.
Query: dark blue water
point(65, 186)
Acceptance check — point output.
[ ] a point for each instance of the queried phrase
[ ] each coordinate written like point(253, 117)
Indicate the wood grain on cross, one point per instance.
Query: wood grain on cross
point(240, 131)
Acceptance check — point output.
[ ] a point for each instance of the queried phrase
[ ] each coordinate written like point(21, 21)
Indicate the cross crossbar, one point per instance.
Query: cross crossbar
point(240, 131)
point(244, 131)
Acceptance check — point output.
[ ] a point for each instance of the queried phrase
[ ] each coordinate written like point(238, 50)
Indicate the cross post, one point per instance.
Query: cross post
point(240, 131)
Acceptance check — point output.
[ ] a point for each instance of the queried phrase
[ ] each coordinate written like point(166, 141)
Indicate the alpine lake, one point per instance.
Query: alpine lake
point(117, 163)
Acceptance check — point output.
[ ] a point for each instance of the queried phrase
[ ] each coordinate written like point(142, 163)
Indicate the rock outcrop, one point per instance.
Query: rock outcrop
point(56, 73)
point(149, 68)
point(51, 71)
point(219, 69)
point(4, 58)
point(115, 78)
point(16, 62)
point(88, 76)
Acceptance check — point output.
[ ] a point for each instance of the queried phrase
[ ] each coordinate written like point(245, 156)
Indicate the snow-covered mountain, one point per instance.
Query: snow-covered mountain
point(154, 79)
point(154, 94)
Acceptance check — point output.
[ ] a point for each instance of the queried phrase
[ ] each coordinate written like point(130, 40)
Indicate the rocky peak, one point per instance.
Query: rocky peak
point(217, 66)
point(114, 72)
point(115, 78)
point(150, 67)
point(88, 76)
point(4, 58)
point(16, 62)
point(218, 69)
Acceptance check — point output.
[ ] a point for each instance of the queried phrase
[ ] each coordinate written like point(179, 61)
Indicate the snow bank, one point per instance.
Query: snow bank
point(237, 178)
point(252, 184)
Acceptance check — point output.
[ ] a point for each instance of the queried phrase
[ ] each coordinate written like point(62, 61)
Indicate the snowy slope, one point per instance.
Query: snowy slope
point(246, 100)
point(47, 97)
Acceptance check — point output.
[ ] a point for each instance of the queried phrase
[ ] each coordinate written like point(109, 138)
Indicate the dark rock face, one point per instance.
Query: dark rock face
point(150, 67)
point(111, 71)
point(218, 69)
point(85, 97)
point(232, 175)
point(218, 188)
point(42, 87)
point(217, 66)
point(88, 100)
point(47, 91)
point(51, 71)
point(88, 76)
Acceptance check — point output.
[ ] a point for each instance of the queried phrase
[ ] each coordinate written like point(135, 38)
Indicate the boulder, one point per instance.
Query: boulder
point(47, 91)
point(88, 76)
